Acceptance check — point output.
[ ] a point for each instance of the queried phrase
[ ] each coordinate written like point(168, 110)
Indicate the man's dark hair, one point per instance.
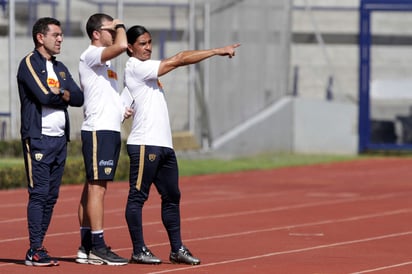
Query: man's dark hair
point(95, 22)
point(133, 33)
point(42, 26)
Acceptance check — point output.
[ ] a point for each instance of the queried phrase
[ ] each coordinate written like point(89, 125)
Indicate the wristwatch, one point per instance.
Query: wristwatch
point(120, 26)
point(61, 91)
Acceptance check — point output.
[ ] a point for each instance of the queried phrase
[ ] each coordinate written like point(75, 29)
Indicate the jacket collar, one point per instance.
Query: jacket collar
point(53, 58)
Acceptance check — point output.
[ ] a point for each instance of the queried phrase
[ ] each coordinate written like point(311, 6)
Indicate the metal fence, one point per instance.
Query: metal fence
point(208, 99)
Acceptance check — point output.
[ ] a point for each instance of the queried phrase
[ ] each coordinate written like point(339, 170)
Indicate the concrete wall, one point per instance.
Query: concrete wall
point(298, 125)
point(270, 130)
point(325, 127)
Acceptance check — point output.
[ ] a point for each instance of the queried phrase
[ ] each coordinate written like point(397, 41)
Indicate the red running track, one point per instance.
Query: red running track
point(352, 217)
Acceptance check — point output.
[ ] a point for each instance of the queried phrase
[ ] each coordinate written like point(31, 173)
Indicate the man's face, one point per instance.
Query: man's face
point(142, 47)
point(52, 40)
point(107, 35)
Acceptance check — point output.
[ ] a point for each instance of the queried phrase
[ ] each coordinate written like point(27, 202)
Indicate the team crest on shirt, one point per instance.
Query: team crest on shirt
point(38, 156)
point(107, 170)
point(62, 75)
point(152, 157)
point(111, 74)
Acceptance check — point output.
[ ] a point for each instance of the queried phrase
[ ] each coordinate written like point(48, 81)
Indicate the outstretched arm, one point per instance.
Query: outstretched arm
point(188, 57)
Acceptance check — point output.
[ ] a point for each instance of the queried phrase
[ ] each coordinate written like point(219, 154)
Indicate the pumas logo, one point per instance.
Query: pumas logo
point(38, 156)
point(111, 74)
point(152, 157)
point(107, 170)
point(62, 75)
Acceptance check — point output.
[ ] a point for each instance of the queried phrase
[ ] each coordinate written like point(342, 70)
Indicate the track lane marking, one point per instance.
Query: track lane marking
point(382, 268)
point(285, 252)
point(241, 213)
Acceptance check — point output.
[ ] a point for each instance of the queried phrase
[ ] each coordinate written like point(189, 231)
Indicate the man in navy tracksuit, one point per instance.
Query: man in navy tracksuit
point(46, 89)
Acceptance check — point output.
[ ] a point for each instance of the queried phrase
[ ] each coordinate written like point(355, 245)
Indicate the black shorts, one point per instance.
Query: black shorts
point(101, 151)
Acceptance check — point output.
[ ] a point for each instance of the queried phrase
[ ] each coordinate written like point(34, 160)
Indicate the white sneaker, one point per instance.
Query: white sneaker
point(105, 255)
point(82, 256)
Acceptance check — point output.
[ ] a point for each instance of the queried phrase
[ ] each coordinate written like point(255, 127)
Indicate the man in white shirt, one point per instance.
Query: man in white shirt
point(103, 113)
point(149, 145)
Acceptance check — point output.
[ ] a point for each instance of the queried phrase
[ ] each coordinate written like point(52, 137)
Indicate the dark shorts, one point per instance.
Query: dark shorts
point(101, 151)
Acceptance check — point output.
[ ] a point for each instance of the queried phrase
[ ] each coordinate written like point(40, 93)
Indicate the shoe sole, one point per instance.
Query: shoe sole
point(133, 261)
point(177, 262)
point(82, 260)
point(94, 260)
point(102, 262)
point(31, 263)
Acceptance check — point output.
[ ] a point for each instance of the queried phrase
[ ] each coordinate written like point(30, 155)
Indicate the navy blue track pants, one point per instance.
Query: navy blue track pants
point(44, 160)
point(153, 165)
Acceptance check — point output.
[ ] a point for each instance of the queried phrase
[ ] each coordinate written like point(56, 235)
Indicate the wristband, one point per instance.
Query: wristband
point(120, 26)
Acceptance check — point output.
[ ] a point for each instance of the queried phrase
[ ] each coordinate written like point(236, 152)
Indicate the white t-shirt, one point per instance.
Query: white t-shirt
point(151, 124)
point(53, 120)
point(102, 106)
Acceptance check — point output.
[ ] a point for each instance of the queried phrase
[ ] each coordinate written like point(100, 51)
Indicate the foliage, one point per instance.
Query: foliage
point(12, 172)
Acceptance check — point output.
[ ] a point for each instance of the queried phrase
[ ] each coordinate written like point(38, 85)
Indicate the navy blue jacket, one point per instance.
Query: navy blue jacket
point(35, 93)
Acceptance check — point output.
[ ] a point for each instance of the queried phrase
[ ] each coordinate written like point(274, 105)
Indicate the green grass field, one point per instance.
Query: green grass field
point(10, 162)
point(190, 167)
point(12, 172)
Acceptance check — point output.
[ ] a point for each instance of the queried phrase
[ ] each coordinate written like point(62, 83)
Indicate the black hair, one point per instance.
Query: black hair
point(42, 26)
point(95, 22)
point(133, 33)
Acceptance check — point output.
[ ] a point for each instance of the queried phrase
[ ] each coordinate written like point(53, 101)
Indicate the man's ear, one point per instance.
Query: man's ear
point(96, 35)
point(39, 38)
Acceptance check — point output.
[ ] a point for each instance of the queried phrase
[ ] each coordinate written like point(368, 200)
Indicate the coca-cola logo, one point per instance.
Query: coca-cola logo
point(106, 163)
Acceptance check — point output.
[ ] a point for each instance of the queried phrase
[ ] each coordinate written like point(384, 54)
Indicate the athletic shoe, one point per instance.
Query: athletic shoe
point(39, 257)
point(82, 255)
point(145, 257)
point(183, 256)
point(105, 255)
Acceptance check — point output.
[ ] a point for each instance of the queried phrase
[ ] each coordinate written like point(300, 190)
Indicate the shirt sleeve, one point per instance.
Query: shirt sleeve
point(94, 56)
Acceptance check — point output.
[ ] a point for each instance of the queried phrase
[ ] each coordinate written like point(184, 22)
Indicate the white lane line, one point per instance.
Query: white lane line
point(323, 222)
point(241, 213)
point(320, 234)
point(331, 221)
point(287, 227)
point(285, 252)
point(225, 195)
point(382, 268)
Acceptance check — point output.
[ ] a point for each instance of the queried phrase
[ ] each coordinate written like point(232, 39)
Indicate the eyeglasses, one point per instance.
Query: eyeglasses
point(112, 32)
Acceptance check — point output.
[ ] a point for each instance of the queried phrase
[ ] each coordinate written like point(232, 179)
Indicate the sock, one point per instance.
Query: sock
point(86, 237)
point(98, 239)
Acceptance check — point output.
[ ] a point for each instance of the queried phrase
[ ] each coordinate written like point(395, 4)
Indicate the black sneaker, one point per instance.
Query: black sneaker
point(105, 255)
point(82, 255)
point(183, 256)
point(39, 257)
point(145, 257)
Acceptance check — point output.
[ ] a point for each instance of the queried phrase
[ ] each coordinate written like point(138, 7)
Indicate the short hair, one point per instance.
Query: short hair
point(95, 22)
point(133, 33)
point(42, 26)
